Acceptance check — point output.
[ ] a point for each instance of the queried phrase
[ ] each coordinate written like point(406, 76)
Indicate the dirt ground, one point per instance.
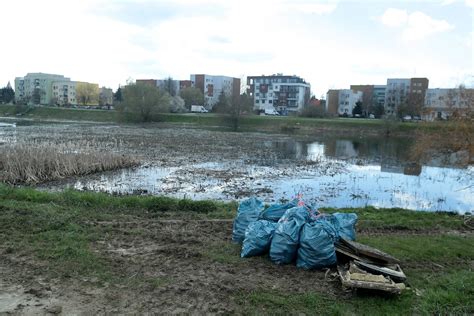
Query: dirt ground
point(160, 266)
point(164, 266)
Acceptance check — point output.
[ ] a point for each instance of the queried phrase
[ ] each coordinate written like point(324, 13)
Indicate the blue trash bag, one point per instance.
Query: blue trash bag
point(345, 225)
point(317, 249)
point(275, 211)
point(258, 237)
point(247, 213)
point(284, 246)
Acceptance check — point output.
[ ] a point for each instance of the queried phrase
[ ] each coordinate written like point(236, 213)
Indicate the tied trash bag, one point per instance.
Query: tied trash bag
point(317, 249)
point(345, 224)
point(258, 237)
point(247, 213)
point(275, 211)
point(285, 240)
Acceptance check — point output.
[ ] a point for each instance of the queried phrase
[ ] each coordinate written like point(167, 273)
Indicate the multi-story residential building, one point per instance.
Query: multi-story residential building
point(106, 96)
point(50, 89)
point(212, 86)
point(442, 103)
point(396, 94)
point(286, 94)
point(379, 95)
point(36, 88)
point(347, 101)
point(150, 82)
point(332, 102)
point(404, 91)
point(64, 93)
point(367, 96)
point(175, 85)
point(417, 92)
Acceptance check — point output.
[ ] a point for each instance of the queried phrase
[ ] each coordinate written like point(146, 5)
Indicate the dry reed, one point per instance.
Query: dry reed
point(36, 163)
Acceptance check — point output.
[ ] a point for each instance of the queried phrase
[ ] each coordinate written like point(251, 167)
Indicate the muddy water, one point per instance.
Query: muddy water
point(337, 173)
point(328, 170)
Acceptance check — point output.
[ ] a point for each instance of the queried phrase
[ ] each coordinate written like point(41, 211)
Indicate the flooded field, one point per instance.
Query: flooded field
point(201, 164)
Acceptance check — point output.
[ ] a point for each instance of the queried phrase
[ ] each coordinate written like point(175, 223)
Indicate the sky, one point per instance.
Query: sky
point(331, 44)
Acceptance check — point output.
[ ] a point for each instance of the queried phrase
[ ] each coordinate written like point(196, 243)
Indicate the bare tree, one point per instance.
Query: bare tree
point(453, 138)
point(87, 93)
point(144, 100)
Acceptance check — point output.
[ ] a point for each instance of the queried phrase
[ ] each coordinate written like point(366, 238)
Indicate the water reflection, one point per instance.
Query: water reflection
point(330, 172)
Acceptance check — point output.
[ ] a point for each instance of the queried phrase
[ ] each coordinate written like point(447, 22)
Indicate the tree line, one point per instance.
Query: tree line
point(145, 101)
point(7, 94)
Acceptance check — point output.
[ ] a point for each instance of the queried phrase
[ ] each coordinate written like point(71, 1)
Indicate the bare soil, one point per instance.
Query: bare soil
point(164, 267)
point(170, 266)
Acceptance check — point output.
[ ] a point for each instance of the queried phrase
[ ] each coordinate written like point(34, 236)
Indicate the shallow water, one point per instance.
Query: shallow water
point(337, 175)
point(329, 170)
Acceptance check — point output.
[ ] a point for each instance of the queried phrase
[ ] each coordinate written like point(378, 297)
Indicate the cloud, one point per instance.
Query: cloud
point(415, 26)
point(447, 2)
point(313, 8)
point(394, 17)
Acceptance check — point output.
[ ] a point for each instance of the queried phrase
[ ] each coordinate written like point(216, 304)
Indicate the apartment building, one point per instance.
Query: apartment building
point(175, 86)
point(286, 94)
point(379, 95)
point(440, 104)
point(395, 94)
point(404, 91)
point(332, 102)
point(106, 96)
point(50, 89)
point(367, 96)
point(37, 88)
point(212, 86)
point(63, 93)
point(347, 101)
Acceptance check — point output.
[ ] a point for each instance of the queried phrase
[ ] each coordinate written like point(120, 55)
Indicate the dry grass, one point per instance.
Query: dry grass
point(33, 163)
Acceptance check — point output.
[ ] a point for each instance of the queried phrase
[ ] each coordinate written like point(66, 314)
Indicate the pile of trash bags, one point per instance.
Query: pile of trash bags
point(291, 232)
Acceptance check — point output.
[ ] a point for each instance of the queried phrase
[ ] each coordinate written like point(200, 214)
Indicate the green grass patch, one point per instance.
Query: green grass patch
point(56, 228)
point(440, 293)
point(444, 249)
point(401, 219)
point(247, 123)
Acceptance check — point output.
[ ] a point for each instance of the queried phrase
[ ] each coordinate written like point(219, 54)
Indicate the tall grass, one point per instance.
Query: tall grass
point(35, 163)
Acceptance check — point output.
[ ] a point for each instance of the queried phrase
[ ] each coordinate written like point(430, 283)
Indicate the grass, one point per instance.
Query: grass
point(298, 125)
point(55, 228)
point(447, 288)
point(41, 163)
point(401, 219)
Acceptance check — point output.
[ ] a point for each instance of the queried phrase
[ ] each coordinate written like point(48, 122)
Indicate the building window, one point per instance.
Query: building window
point(263, 101)
point(270, 101)
point(257, 101)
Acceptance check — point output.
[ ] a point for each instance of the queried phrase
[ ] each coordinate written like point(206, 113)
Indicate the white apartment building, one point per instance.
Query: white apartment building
point(64, 93)
point(441, 103)
point(36, 88)
point(212, 86)
point(286, 94)
point(347, 101)
point(379, 94)
point(396, 93)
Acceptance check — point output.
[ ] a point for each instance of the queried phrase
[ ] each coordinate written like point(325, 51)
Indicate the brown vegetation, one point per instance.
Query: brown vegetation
point(455, 139)
point(32, 163)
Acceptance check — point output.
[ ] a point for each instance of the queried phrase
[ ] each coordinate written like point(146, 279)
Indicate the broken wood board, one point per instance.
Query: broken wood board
point(360, 280)
point(364, 253)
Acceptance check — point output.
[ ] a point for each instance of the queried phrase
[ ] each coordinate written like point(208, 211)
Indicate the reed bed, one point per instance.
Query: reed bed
point(33, 163)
